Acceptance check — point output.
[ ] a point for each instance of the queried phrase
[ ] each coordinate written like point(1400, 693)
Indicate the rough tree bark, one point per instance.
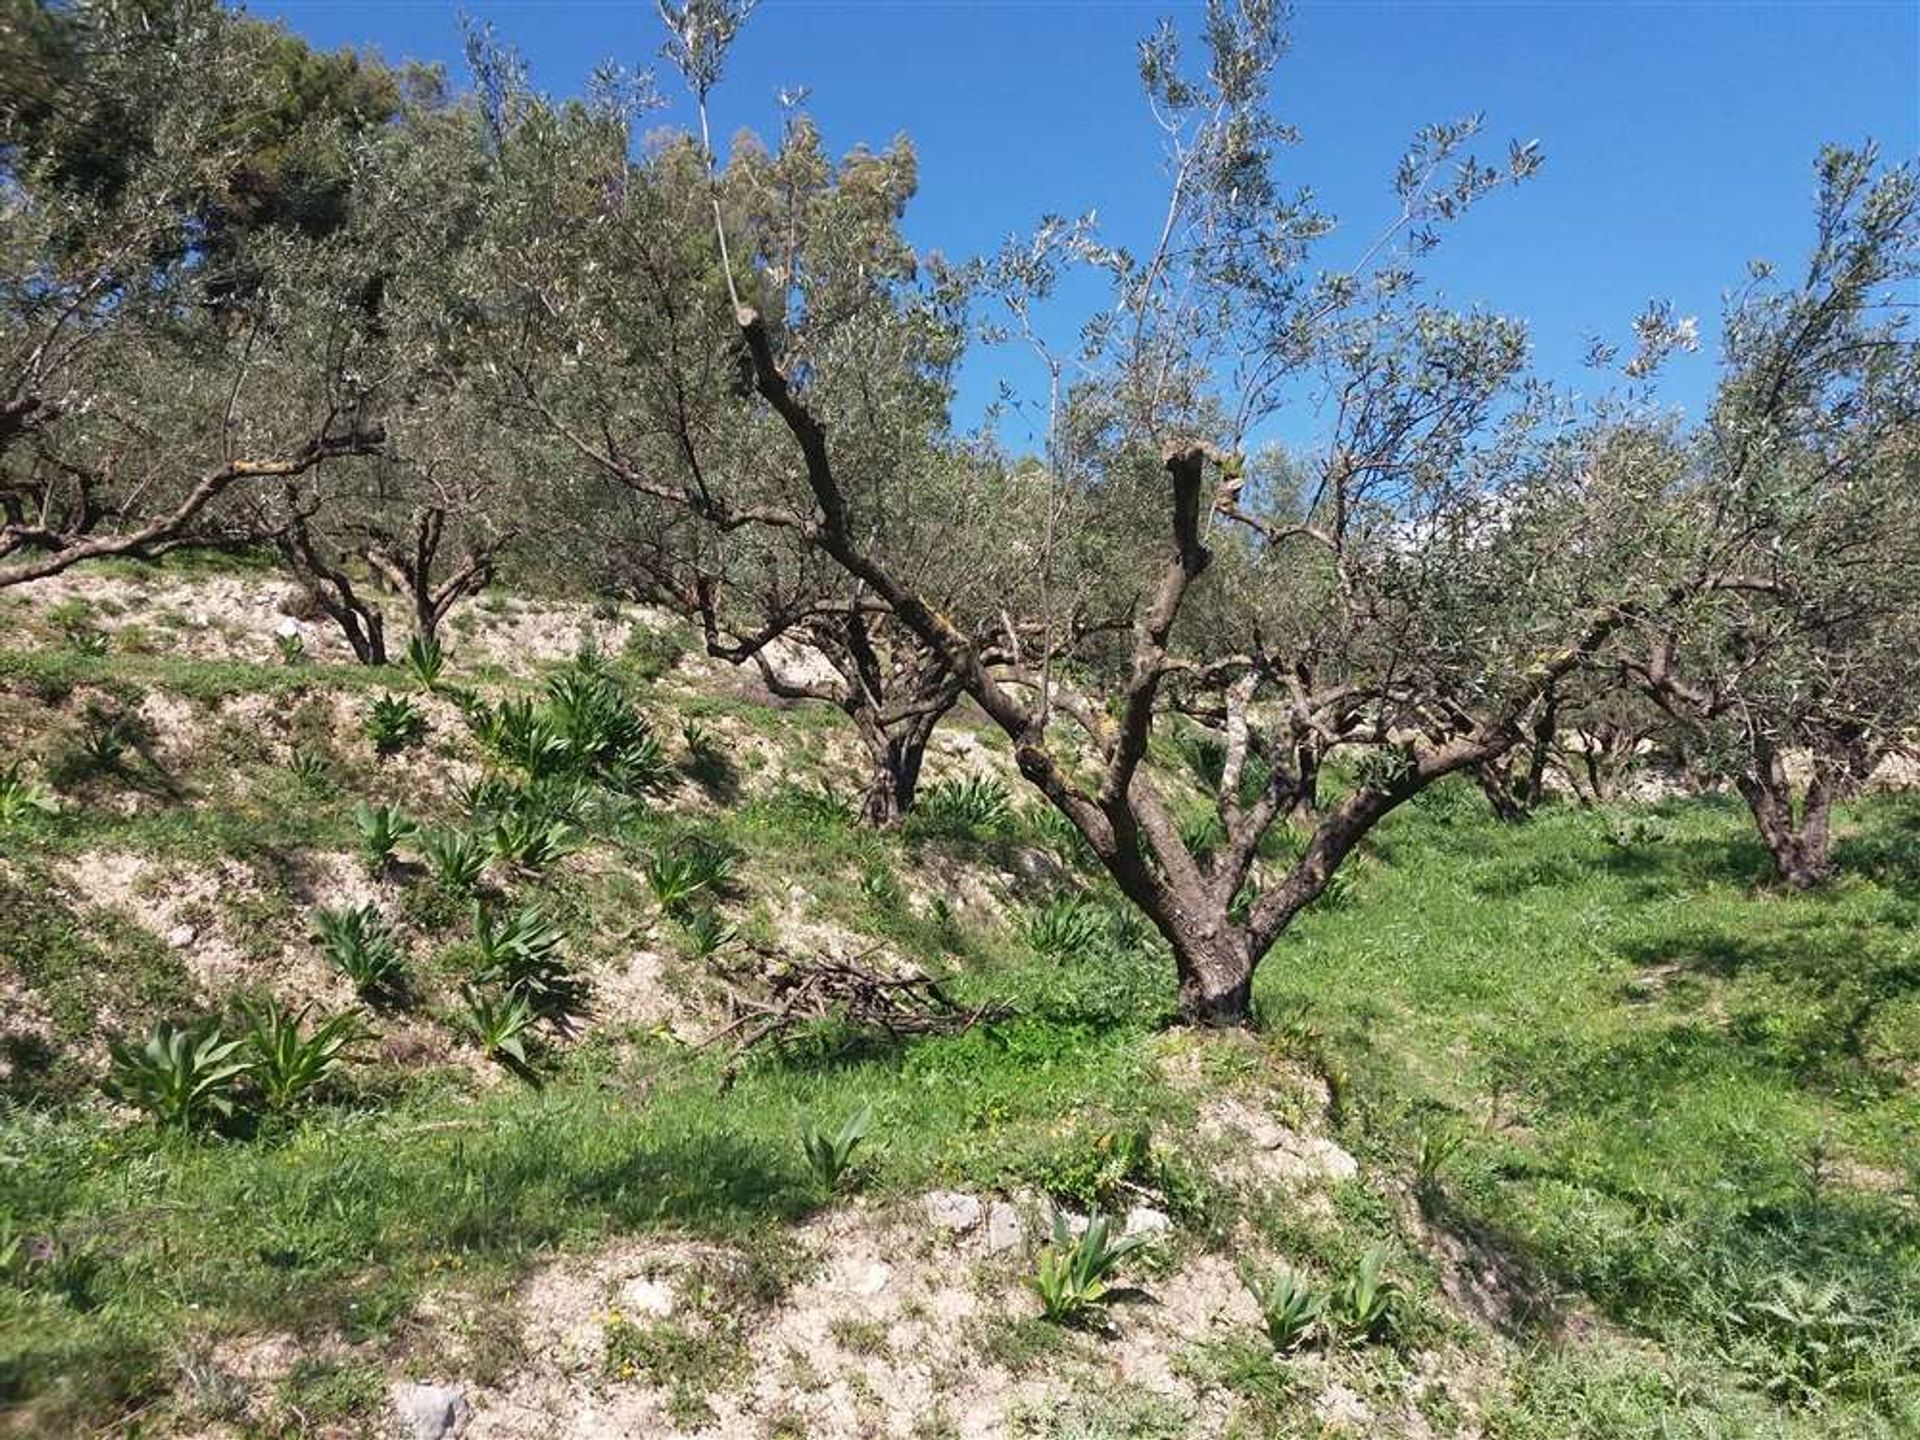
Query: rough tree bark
point(332, 590)
point(1799, 838)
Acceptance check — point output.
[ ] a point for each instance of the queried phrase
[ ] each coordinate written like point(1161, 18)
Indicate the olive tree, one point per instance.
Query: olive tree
point(148, 368)
point(606, 313)
point(1407, 610)
point(1794, 524)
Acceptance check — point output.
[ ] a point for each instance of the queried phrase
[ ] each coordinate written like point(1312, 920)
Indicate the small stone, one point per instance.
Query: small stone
point(952, 1210)
point(181, 936)
point(1005, 1229)
point(870, 1278)
point(1145, 1220)
point(647, 1296)
point(288, 629)
point(431, 1412)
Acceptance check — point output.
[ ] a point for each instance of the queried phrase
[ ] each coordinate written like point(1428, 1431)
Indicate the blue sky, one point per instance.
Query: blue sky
point(1679, 137)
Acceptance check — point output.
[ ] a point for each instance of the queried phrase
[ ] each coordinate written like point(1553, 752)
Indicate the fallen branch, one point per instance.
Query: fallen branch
point(794, 994)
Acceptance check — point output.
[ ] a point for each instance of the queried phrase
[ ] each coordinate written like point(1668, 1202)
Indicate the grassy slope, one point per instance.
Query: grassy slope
point(1672, 1092)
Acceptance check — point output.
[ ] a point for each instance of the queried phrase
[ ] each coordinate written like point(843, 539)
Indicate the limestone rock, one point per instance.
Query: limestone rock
point(431, 1412)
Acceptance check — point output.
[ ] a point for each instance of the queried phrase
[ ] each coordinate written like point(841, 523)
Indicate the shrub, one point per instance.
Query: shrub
point(180, 1075)
point(287, 1063)
point(394, 723)
point(1071, 1275)
point(361, 944)
point(1291, 1308)
point(829, 1155)
point(292, 648)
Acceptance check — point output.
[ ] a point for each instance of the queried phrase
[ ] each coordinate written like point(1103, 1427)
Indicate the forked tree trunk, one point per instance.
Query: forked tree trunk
point(895, 778)
point(1216, 979)
point(1800, 841)
point(332, 590)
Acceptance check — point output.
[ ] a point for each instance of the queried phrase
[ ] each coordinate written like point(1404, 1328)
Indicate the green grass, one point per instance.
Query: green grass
point(1681, 1100)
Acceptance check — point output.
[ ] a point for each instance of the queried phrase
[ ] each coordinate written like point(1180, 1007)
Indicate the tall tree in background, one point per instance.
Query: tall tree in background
point(1795, 523)
point(162, 343)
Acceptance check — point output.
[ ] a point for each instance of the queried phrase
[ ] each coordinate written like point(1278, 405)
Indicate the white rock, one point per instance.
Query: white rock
point(1145, 1220)
point(288, 629)
point(647, 1296)
point(431, 1412)
point(181, 936)
point(858, 1277)
point(952, 1210)
point(1005, 1228)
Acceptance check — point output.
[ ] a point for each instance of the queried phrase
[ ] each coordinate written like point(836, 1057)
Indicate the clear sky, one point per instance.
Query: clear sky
point(1679, 137)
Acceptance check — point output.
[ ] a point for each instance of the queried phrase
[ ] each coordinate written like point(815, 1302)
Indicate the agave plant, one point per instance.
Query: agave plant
point(706, 933)
point(829, 1153)
point(457, 858)
point(1066, 927)
point(288, 1061)
point(521, 955)
point(426, 661)
point(292, 648)
point(179, 1075)
point(979, 804)
point(1367, 1305)
point(531, 841)
point(1291, 1307)
point(1071, 1276)
point(383, 830)
point(309, 768)
point(499, 1023)
point(393, 723)
point(22, 797)
point(361, 944)
point(678, 874)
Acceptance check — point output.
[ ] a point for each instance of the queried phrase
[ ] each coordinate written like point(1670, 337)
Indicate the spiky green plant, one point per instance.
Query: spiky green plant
point(180, 1075)
point(292, 648)
point(829, 1153)
point(426, 661)
point(520, 953)
point(1291, 1307)
point(457, 858)
point(531, 841)
point(678, 874)
point(383, 830)
point(309, 768)
point(360, 943)
point(979, 804)
point(499, 1024)
point(1071, 1275)
point(705, 933)
point(22, 797)
point(393, 723)
point(1366, 1306)
point(288, 1061)
point(1065, 927)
